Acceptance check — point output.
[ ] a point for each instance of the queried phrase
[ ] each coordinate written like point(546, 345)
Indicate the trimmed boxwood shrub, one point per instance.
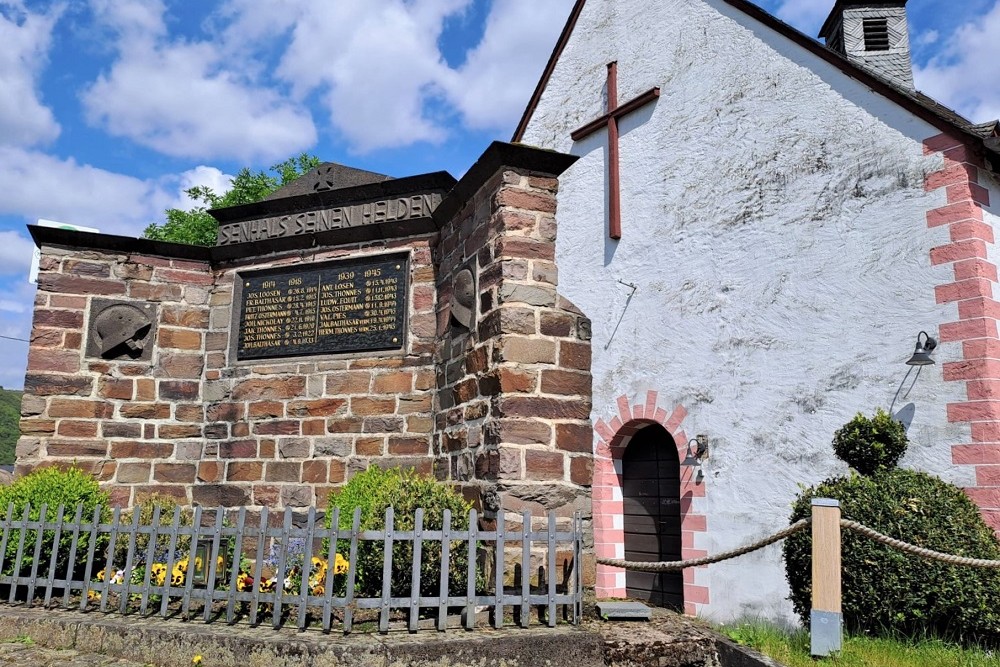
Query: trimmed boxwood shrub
point(869, 444)
point(53, 487)
point(885, 591)
point(373, 491)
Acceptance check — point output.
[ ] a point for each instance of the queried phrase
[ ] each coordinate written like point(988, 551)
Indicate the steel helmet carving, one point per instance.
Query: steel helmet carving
point(463, 298)
point(121, 323)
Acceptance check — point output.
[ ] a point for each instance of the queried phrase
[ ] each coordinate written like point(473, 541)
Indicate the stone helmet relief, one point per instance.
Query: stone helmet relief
point(120, 330)
point(463, 300)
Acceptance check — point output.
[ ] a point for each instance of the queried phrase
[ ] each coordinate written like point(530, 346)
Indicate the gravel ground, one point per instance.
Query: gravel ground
point(28, 654)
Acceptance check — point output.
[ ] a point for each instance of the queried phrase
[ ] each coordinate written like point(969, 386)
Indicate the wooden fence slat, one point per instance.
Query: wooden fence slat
point(442, 619)
point(19, 555)
point(525, 567)
point(331, 562)
point(306, 567)
point(37, 553)
point(258, 567)
point(189, 571)
point(211, 568)
point(234, 567)
point(383, 619)
point(498, 566)
point(171, 561)
point(470, 585)
point(8, 520)
point(418, 529)
point(129, 560)
point(150, 556)
point(577, 565)
point(109, 569)
point(88, 571)
point(279, 585)
point(552, 569)
point(74, 541)
point(60, 516)
point(352, 571)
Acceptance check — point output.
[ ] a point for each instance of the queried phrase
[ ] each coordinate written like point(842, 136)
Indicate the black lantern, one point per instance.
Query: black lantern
point(922, 353)
point(202, 561)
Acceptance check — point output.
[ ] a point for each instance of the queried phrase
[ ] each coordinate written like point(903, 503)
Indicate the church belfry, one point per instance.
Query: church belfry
point(873, 35)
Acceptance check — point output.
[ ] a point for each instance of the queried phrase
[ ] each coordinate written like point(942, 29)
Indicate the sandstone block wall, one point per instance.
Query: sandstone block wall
point(502, 410)
point(514, 393)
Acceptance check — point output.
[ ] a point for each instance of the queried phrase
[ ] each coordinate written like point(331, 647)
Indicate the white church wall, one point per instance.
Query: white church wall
point(774, 227)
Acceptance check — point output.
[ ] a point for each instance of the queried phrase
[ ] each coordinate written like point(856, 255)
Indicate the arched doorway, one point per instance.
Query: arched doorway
point(652, 515)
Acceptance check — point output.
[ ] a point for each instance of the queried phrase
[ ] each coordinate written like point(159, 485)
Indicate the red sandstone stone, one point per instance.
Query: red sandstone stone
point(282, 471)
point(83, 448)
point(574, 355)
point(324, 407)
point(543, 465)
point(270, 389)
point(179, 473)
point(180, 339)
point(77, 429)
point(244, 471)
point(145, 411)
point(84, 409)
point(130, 449)
point(277, 427)
point(119, 389)
point(58, 361)
point(70, 284)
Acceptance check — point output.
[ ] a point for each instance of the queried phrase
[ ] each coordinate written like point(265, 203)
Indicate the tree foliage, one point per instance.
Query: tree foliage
point(10, 424)
point(196, 227)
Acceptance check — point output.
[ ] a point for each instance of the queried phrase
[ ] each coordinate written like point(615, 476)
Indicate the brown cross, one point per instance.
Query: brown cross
point(610, 120)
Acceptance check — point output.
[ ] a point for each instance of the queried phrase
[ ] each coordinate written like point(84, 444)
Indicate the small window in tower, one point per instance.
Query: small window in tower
point(876, 35)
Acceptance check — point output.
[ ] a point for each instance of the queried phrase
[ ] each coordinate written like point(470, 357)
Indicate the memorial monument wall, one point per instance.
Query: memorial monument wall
point(412, 322)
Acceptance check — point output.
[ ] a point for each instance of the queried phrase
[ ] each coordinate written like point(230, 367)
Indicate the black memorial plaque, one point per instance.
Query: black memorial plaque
point(354, 305)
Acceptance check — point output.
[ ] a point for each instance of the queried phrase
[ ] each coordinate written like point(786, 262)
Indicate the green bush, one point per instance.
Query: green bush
point(887, 592)
point(373, 491)
point(147, 507)
point(869, 444)
point(53, 487)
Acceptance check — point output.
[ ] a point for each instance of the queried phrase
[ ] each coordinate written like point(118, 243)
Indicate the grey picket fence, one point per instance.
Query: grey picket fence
point(90, 545)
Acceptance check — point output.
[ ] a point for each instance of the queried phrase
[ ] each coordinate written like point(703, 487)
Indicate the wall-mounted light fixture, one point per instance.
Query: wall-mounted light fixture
point(697, 450)
point(922, 353)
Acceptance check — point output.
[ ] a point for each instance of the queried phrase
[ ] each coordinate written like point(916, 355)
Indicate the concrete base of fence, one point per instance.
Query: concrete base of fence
point(175, 643)
point(667, 641)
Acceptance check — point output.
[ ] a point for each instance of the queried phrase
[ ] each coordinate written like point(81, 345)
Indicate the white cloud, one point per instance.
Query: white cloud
point(209, 177)
point(961, 75)
point(183, 99)
point(375, 64)
point(25, 38)
point(494, 84)
point(15, 257)
point(36, 185)
point(806, 15)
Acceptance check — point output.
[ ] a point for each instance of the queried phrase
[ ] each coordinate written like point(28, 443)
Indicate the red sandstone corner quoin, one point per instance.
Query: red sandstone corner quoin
point(612, 438)
point(978, 311)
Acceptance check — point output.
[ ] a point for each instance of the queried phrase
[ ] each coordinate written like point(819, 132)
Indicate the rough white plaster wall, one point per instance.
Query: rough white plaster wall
point(774, 223)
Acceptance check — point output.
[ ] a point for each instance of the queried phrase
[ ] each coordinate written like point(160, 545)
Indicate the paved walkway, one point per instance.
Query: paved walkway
point(31, 655)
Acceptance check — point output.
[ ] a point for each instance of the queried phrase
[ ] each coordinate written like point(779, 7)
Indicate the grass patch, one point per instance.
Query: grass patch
point(791, 648)
point(21, 639)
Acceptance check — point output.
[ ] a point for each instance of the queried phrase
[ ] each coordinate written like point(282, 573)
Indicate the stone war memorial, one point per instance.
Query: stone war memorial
point(348, 320)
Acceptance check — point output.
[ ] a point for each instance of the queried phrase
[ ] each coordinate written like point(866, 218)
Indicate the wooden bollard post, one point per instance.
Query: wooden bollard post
point(826, 621)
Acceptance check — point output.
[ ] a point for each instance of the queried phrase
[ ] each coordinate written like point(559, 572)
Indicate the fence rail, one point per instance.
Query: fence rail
point(255, 571)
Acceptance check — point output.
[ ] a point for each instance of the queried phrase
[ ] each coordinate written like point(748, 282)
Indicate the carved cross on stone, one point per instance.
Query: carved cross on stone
point(610, 120)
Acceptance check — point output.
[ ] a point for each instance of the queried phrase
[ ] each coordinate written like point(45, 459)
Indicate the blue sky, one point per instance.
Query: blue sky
point(111, 108)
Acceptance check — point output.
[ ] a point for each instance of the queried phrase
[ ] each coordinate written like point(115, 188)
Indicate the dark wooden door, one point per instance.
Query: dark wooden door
point(652, 522)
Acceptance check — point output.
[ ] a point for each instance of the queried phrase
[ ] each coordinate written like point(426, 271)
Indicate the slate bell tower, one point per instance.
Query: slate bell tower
point(873, 35)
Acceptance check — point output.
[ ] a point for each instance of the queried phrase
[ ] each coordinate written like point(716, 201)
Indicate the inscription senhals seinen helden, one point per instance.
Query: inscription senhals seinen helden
point(350, 306)
point(310, 222)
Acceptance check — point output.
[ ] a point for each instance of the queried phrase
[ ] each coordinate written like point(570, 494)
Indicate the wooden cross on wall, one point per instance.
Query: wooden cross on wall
point(610, 121)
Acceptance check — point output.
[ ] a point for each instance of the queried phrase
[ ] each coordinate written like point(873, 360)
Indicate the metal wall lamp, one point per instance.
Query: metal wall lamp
point(922, 353)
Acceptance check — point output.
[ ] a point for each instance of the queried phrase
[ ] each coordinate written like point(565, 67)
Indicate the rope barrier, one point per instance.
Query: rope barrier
point(906, 547)
point(670, 566)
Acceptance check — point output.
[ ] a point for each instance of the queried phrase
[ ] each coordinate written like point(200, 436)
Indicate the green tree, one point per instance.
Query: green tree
point(10, 425)
point(196, 227)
